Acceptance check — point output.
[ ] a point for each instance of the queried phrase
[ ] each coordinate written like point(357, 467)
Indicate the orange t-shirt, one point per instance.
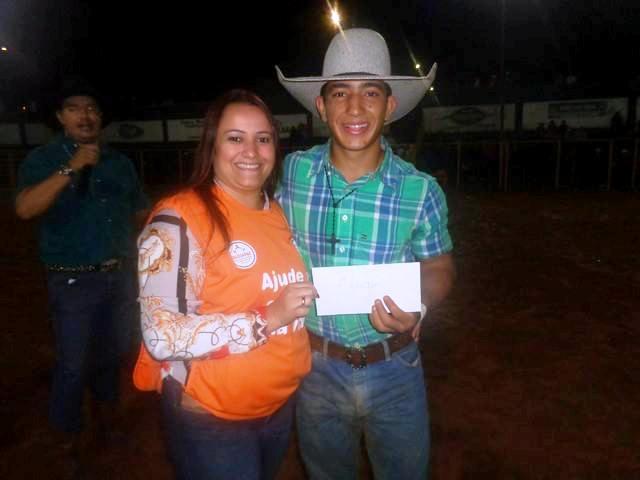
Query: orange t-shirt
point(259, 263)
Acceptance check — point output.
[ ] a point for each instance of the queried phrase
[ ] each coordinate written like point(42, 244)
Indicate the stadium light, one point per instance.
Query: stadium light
point(335, 17)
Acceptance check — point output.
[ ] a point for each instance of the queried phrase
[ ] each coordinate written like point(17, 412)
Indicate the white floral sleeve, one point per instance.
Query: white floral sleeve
point(171, 275)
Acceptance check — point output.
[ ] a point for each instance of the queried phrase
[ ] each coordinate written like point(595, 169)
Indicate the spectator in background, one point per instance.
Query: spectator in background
point(617, 125)
point(85, 196)
point(295, 137)
point(563, 128)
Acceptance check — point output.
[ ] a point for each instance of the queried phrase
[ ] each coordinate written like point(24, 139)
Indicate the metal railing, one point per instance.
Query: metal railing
point(553, 164)
point(526, 164)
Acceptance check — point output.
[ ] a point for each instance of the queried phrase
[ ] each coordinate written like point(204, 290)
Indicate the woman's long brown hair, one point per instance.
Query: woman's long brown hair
point(204, 173)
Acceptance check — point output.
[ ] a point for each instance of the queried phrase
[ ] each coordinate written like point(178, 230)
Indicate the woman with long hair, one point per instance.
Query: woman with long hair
point(223, 295)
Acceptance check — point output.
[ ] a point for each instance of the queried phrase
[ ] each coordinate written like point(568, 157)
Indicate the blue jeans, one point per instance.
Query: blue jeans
point(385, 402)
point(90, 319)
point(205, 447)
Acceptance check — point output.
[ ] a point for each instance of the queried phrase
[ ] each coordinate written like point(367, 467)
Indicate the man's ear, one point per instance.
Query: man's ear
point(59, 116)
point(392, 103)
point(320, 108)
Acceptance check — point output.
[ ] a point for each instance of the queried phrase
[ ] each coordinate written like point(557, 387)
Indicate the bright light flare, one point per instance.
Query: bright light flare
point(4, 49)
point(335, 17)
point(418, 66)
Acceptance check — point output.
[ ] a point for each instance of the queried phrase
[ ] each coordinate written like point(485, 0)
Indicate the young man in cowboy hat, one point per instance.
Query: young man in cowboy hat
point(352, 201)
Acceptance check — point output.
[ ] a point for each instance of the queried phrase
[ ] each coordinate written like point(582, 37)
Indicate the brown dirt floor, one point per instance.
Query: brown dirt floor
point(532, 363)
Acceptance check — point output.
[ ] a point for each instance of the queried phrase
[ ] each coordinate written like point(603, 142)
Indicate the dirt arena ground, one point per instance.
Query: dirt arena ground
point(532, 363)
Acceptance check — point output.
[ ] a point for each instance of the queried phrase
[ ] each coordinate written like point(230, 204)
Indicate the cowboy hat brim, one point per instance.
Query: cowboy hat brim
point(408, 91)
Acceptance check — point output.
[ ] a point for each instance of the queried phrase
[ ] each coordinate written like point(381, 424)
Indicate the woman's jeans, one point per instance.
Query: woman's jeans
point(205, 447)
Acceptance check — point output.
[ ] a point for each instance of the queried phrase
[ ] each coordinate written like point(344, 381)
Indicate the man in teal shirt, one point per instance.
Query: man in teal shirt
point(352, 201)
point(85, 196)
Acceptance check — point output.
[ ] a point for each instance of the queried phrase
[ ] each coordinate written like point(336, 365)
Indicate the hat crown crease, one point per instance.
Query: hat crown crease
point(357, 50)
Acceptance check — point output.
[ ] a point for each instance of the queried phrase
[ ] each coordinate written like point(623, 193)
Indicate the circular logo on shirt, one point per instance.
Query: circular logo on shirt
point(242, 254)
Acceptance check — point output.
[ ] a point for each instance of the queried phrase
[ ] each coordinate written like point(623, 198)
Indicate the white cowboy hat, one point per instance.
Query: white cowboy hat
point(359, 54)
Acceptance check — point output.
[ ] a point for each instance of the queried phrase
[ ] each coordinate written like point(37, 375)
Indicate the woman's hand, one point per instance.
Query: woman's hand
point(294, 302)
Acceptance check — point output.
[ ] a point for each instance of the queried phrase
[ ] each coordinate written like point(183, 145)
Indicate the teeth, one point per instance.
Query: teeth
point(248, 166)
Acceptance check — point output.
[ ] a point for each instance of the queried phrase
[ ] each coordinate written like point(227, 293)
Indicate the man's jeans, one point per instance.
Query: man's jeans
point(202, 446)
point(90, 315)
point(385, 401)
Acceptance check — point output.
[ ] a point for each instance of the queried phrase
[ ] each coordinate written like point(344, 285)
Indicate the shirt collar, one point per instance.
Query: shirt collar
point(384, 172)
point(62, 139)
point(267, 202)
point(388, 171)
point(324, 161)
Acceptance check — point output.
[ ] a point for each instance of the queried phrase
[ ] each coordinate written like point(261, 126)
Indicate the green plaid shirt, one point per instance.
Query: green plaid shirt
point(395, 214)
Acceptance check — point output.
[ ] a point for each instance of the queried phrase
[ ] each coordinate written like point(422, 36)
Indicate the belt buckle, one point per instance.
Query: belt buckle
point(348, 356)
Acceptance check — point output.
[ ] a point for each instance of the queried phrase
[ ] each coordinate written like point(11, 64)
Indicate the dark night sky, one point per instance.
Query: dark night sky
point(190, 51)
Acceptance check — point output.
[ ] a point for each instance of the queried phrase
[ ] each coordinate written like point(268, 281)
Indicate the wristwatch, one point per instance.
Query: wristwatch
point(66, 170)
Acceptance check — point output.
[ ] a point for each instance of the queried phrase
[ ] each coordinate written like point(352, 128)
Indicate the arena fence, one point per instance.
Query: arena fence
point(466, 165)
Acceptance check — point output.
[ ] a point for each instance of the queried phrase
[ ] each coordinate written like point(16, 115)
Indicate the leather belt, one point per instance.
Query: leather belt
point(106, 266)
point(360, 357)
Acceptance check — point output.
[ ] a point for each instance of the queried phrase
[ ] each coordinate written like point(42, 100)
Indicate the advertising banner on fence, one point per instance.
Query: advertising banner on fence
point(468, 118)
point(189, 129)
point(288, 122)
point(10, 134)
point(38, 133)
point(184, 129)
point(588, 113)
point(134, 131)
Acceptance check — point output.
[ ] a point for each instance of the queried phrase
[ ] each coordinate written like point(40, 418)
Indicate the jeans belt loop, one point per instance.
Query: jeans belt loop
point(325, 348)
point(387, 353)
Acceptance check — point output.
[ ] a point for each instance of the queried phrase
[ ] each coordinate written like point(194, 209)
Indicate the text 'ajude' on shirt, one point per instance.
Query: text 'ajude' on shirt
point(197, 300)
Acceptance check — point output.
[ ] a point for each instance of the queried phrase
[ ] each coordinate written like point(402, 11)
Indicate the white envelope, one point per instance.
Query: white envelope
point(353, 289)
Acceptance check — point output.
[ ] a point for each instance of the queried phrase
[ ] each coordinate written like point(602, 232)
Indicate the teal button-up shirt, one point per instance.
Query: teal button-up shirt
point(395, 214)
point(85, 227)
